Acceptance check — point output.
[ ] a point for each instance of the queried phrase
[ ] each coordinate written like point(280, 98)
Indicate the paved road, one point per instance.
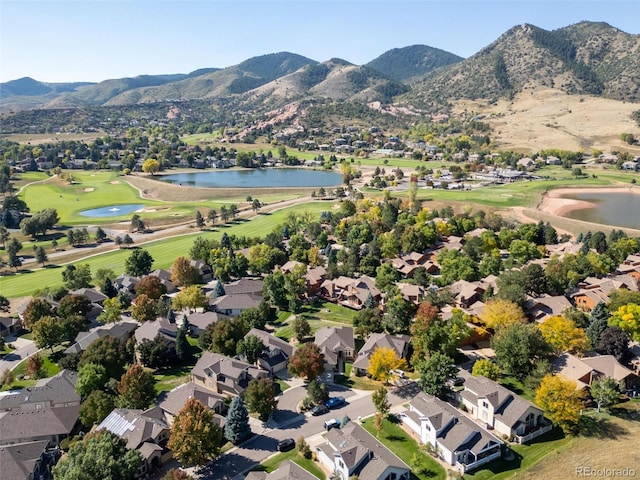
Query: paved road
point(11, 360)
point(231, 465)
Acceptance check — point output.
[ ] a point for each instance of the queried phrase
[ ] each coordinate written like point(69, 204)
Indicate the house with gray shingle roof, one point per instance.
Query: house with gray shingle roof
point(398, 343)
point(173, 401)
point(351, 450)
point(337, 345)
point(507, 413)
point(121, 330)
point(47, 411)
point(198, 321)
point(277, 352)
point(145, 431)
point(224, 375)
point(288, 470)
point(458, 440)
point(27, 461)
point(158, 327)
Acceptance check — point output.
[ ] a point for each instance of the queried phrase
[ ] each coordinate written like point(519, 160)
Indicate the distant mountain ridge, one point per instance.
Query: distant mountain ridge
point(586, 58)
point(404, 63)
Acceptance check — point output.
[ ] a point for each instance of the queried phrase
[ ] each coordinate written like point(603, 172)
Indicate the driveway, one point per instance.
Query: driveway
point(263, 445)
point(25, 348)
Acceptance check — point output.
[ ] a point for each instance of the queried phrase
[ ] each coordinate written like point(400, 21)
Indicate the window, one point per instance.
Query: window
point(485, 404)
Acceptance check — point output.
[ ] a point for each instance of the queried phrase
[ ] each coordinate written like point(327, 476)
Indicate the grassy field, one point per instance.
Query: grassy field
point(423, 466)
point(164, 252)
point(319, 314)
point(49, 368)
point(612, 444)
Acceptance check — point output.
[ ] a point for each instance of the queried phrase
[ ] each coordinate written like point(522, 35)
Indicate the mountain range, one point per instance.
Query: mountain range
point(587, 58)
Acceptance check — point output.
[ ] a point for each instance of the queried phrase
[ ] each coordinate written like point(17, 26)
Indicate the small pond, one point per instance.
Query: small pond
point(255, 178)
point(616, 209)
point(112, 210)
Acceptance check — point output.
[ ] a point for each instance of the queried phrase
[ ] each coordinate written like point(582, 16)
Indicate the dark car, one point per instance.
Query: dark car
point(286, 444)
point(335, 402)
point(319, 410)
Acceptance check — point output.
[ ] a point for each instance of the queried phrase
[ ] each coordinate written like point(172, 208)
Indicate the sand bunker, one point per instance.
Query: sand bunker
point(88, 189)
point(115, 182)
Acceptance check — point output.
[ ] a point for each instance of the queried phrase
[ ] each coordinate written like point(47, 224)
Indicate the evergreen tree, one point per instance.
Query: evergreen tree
point(598, 323)
point(236, 428)
point(218, 291)
point(183, 350)
point(199, 219)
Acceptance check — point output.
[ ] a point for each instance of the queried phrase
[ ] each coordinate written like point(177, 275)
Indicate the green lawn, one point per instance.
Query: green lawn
point(274, 462)
point(423, 466)
point(164, 252)
point(49, 368)
point(524, 457)
point(319, 314)
point(170, 378)
point(516, 386)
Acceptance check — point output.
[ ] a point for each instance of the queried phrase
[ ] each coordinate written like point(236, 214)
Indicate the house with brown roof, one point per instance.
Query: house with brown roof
point(234, 304)
point(398, 343)
point(224, 375)
point(198, 321)
point(411, 293)
point(288, 470)
point(145, 431)
point(466, 293)
point(587, 369)
point(27, 461)
point(408, 263)
point(545, 306)
point(459, 441)
point(502, 410)
point(277, 352)
point(351, 292)
point(337, 345)
point(47, 411)
point(352, 451)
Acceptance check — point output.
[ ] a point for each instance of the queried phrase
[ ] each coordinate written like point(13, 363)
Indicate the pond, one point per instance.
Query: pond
point(616, 209)
point(255, 178)
point(112, 210)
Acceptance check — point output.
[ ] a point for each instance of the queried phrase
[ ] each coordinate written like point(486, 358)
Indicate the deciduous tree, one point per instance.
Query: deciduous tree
point(96, 407)
point(260, 397)
point(517, 348)
point(434, 373)
point(226, 335)
point(307, 362)
point(301, 328)
point(563, 335)
point(605, 392)
point(627, 317)
point(136, 388)
point(145, 309)
point(380, 401)
point(250, 347)
point(139, 263)
point(500, 313)
point(151, 286)
point(614, 341)
point(486, 368)
point(48, 332)
point(560, 400)
point(108, 352)
point(382, 361)
point(191, 297)
point(91, 377)
point(100, 454)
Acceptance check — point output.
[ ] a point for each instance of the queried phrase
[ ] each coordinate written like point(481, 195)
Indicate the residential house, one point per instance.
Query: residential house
point(160, 326)
point(594, 290)
point(165, 279)
point(27, 461)
point(467, 293)
point(408, 263)
point(244, 285)
point(337, 345)
point(288, 470)
point(126, 284)
point(398, 343)
point(314, 277)
point(502, 410)
point(47, 411)
point(198, 321)
point(205, 271)
point(173, 401)
point(351, 292)
point(585, 370)
point(145, 431)
point(121, 330)
point(224, 375)
point(277, 352)
point(352, 451)
point(458, 440)
point(546, 306)
point(411, 293)
point(236, 303)
point(9, 326)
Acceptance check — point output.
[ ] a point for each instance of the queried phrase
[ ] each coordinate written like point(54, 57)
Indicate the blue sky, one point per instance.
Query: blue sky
point(93, 40)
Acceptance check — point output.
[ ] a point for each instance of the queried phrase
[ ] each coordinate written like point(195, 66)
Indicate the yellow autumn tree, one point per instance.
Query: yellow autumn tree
point(560, 400)
point(150, 165)
point(382, 361)
point(564, 336)
point(627, 317)
point(500, 313)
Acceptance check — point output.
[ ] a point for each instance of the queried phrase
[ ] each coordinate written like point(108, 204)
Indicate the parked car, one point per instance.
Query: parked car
point(333, 423)
point(319, 410)
point(286, 444)
point(335, 402)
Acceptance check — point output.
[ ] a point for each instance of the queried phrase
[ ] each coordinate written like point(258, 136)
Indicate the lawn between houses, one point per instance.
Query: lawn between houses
point(164, 252)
